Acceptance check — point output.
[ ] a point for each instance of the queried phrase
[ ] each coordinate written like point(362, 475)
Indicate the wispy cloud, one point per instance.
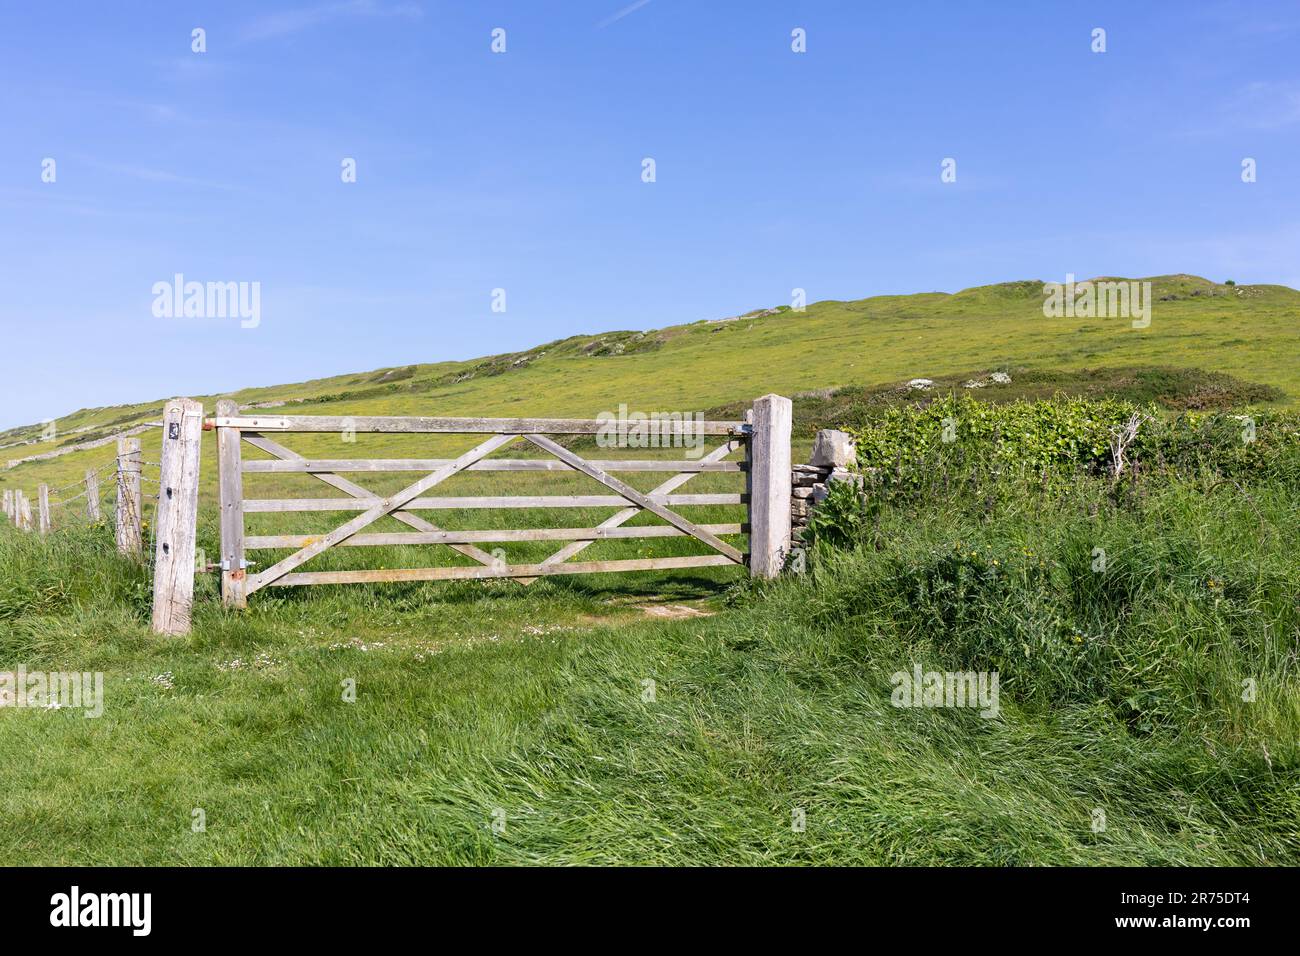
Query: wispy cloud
point(149, 174)
point(615, 17)
point(42, 197)
point(295, 21)
point(157, 112)
point(1267, 105)
point(1261, 105)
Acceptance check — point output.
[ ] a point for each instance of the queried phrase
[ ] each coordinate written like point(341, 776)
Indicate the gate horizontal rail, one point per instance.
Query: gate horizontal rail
point(399, 538)
point(515, 571)
point(488, 464)
point(252, 505)
point(497, 426)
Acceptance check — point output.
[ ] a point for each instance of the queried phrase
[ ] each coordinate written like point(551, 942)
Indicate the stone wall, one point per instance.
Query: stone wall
point(833, 455)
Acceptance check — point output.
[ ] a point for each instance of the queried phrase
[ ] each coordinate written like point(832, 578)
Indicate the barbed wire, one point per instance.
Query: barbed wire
point(118, 475)
point(60, 502)
point(150, 548)
point(74, 484)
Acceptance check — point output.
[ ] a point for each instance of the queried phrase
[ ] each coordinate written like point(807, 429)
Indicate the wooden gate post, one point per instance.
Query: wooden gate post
point(769, 483)
point(230, 479)
point(92, 494)
point(43, 507)
point(129, 465)
point(176, 519)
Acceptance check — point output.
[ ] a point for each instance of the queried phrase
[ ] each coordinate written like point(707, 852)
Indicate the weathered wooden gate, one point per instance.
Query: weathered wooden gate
point(764, 437)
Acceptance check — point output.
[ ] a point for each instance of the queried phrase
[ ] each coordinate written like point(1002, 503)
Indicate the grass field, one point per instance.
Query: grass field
point(688, 717)
point(485, 703)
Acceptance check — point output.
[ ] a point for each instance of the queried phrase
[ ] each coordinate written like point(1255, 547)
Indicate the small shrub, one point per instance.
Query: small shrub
point(840, 519)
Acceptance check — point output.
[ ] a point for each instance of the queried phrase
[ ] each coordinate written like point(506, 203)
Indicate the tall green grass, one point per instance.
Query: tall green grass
point(483, 702)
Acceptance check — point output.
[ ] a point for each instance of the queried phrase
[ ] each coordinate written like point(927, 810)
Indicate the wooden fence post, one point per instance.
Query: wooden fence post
point(24, 511)
point(43, 507)
point(92, 494)
point(9, 503)
point(231, 481)
point(769, 502)
point(176, 518)
point(129, 465)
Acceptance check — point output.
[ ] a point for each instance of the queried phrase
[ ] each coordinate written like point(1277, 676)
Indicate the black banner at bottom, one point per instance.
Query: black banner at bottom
point(305, 905)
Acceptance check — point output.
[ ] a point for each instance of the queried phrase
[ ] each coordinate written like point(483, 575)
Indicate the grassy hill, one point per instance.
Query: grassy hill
point(1251, 334)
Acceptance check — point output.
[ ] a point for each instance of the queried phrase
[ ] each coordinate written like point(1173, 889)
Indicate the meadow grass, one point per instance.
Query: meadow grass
point(482, 702)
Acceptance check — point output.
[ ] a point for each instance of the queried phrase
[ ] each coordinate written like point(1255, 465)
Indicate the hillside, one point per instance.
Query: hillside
point(1251, 333)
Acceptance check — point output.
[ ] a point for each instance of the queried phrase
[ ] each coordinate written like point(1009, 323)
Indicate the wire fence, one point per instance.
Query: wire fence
point(59, 499)
point(123, 492)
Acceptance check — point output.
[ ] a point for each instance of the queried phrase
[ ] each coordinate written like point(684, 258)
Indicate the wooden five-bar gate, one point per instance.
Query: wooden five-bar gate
point(764, 437)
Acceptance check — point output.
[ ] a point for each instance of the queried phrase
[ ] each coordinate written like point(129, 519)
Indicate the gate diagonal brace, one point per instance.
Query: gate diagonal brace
point(372, 514)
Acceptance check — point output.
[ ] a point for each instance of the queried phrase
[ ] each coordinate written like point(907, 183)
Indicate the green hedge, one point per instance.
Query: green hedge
point(1068, 436)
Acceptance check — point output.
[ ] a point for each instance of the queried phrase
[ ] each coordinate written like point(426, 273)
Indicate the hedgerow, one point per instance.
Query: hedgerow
point(1067, 437)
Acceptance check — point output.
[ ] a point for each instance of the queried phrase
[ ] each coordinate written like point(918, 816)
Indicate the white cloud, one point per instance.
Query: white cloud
point(615, 17)
point(160, 176)
point(294, 21)
point(1267, 105)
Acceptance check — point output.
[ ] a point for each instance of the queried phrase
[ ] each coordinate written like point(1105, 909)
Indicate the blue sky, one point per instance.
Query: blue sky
point(522, 170)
